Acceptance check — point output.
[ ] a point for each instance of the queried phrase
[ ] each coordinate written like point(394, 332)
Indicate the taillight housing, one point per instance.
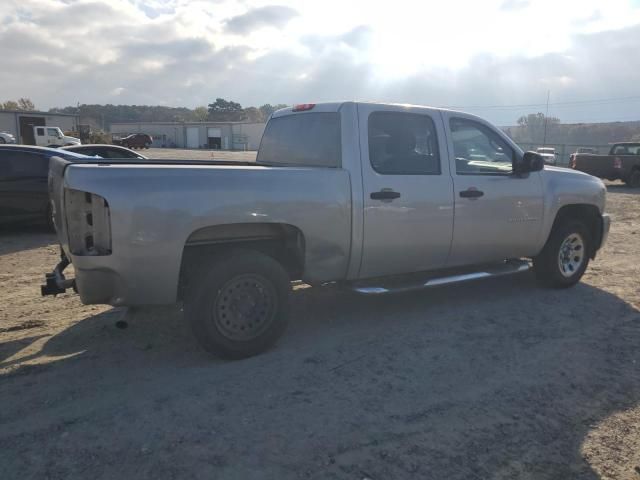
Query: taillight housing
point(303, 107)
point(617, 162)
point(572, 161)
point(88, 223)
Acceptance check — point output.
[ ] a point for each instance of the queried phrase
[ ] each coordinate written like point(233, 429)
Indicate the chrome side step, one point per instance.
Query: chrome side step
point(507, 268)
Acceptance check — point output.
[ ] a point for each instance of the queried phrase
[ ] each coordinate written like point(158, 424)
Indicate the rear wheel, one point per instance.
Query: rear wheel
point(634, 179)
point(565, 257)
point(2, 140)
point(239, 306)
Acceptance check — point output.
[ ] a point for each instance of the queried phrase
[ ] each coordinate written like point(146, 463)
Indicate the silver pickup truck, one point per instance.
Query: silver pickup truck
point(376, 197)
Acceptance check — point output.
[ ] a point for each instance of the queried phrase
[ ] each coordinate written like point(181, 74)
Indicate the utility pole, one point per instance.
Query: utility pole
point(546, 115)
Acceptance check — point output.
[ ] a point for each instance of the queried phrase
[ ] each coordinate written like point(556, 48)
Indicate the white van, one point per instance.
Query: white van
point(53, 137)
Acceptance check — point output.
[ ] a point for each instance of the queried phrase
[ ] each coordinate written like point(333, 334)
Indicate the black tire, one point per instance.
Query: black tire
point(634, 179)
point(243, 280)
point(2, 140)
point(548, 265)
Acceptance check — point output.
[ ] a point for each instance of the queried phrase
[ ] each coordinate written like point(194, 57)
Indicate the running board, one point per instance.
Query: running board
point(506, 268)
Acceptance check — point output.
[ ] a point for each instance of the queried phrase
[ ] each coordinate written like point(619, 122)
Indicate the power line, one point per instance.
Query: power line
point(604, 101)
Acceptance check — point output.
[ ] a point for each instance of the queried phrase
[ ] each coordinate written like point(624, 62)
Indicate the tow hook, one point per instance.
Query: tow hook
point(55, 283)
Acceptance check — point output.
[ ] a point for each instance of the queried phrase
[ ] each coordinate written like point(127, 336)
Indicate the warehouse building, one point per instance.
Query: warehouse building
point(20, 123)
point(208, 135)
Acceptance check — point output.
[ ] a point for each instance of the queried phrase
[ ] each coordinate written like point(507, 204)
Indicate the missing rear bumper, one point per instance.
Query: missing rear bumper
point(55, 282)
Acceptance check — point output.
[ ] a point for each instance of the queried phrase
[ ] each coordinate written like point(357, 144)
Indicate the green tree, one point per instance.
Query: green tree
point(531, 128)
point(253, 114)
point(26, 104)
point(9, 105)
point(226, 111)
point(200, 114)
point(267, 109)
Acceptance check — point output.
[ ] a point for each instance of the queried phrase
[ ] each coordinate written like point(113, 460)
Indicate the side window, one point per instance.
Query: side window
point(40, 131)
point(27, 164)
point(479, 150)
point(115, 153)
point(86, 151)
point(52, 132)
point(403, 144)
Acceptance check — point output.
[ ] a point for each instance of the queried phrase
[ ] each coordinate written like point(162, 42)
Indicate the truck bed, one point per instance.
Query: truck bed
point(155, 207)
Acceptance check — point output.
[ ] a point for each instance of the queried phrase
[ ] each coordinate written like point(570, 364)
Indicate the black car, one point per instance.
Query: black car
point(104, 151)
point(23, 182)
point(135, 140)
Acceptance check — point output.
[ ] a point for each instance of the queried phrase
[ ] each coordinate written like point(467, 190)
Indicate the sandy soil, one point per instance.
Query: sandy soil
point(498, 379)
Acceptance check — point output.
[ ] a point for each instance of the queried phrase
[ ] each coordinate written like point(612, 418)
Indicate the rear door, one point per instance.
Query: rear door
point(408, 196)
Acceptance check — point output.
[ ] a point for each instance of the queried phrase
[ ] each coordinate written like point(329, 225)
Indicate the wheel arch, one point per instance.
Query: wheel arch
point(283, 242)
point(589, 215)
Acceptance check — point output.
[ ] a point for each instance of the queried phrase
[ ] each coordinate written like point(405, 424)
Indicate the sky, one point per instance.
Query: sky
point(496, 58)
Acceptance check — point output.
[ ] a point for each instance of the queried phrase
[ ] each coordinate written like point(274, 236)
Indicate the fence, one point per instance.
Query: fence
point(564, 150)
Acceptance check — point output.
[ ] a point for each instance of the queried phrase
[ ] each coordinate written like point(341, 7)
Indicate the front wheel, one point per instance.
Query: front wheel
point(239, 307)
point(565, 256)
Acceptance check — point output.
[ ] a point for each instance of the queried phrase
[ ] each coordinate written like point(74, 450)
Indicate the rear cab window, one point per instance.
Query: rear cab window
point(302, 139)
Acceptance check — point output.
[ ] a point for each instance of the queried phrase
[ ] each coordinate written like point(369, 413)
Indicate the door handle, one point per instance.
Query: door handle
point(471, 193)
point(384, 195)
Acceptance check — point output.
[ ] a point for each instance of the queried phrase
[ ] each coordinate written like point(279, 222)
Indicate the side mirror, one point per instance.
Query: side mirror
point(530, 162)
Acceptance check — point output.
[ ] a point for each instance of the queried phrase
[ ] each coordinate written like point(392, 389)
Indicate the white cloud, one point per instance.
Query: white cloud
point(187, 52)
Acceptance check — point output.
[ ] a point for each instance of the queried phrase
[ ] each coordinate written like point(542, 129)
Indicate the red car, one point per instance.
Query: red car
point(135, 140)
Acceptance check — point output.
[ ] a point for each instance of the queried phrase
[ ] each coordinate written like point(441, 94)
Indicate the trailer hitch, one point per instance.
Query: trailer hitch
point(55, 282)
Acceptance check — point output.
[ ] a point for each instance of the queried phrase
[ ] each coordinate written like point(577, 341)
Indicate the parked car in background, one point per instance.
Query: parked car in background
point(622, 163)
point(104, 151)
point(377, 198)
point(52, 137)
point(136, 140)
point(548, 154)
point(6, 137)
point(23, 182)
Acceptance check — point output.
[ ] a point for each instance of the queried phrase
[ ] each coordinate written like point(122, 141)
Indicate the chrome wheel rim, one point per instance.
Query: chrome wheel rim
point(571, 255)
point(244, 307)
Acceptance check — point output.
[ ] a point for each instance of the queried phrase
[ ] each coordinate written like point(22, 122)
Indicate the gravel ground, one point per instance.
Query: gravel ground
point(498, 379)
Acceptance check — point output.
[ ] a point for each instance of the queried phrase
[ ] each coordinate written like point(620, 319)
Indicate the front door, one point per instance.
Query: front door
point(54, 137)
point(498, 215)
point(408, 197)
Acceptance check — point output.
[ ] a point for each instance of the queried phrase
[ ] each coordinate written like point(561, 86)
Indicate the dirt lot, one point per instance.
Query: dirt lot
point(499, 379)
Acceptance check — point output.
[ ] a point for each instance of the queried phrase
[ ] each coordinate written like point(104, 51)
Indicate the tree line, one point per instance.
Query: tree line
point(102, 116)
point(531, 129)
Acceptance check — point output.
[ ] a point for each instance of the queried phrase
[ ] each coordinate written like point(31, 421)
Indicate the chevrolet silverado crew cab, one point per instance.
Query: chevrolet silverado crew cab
point(378, 198)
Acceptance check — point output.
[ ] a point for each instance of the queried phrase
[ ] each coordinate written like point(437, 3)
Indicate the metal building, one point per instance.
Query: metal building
point(20, 123)
point(209, 135)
